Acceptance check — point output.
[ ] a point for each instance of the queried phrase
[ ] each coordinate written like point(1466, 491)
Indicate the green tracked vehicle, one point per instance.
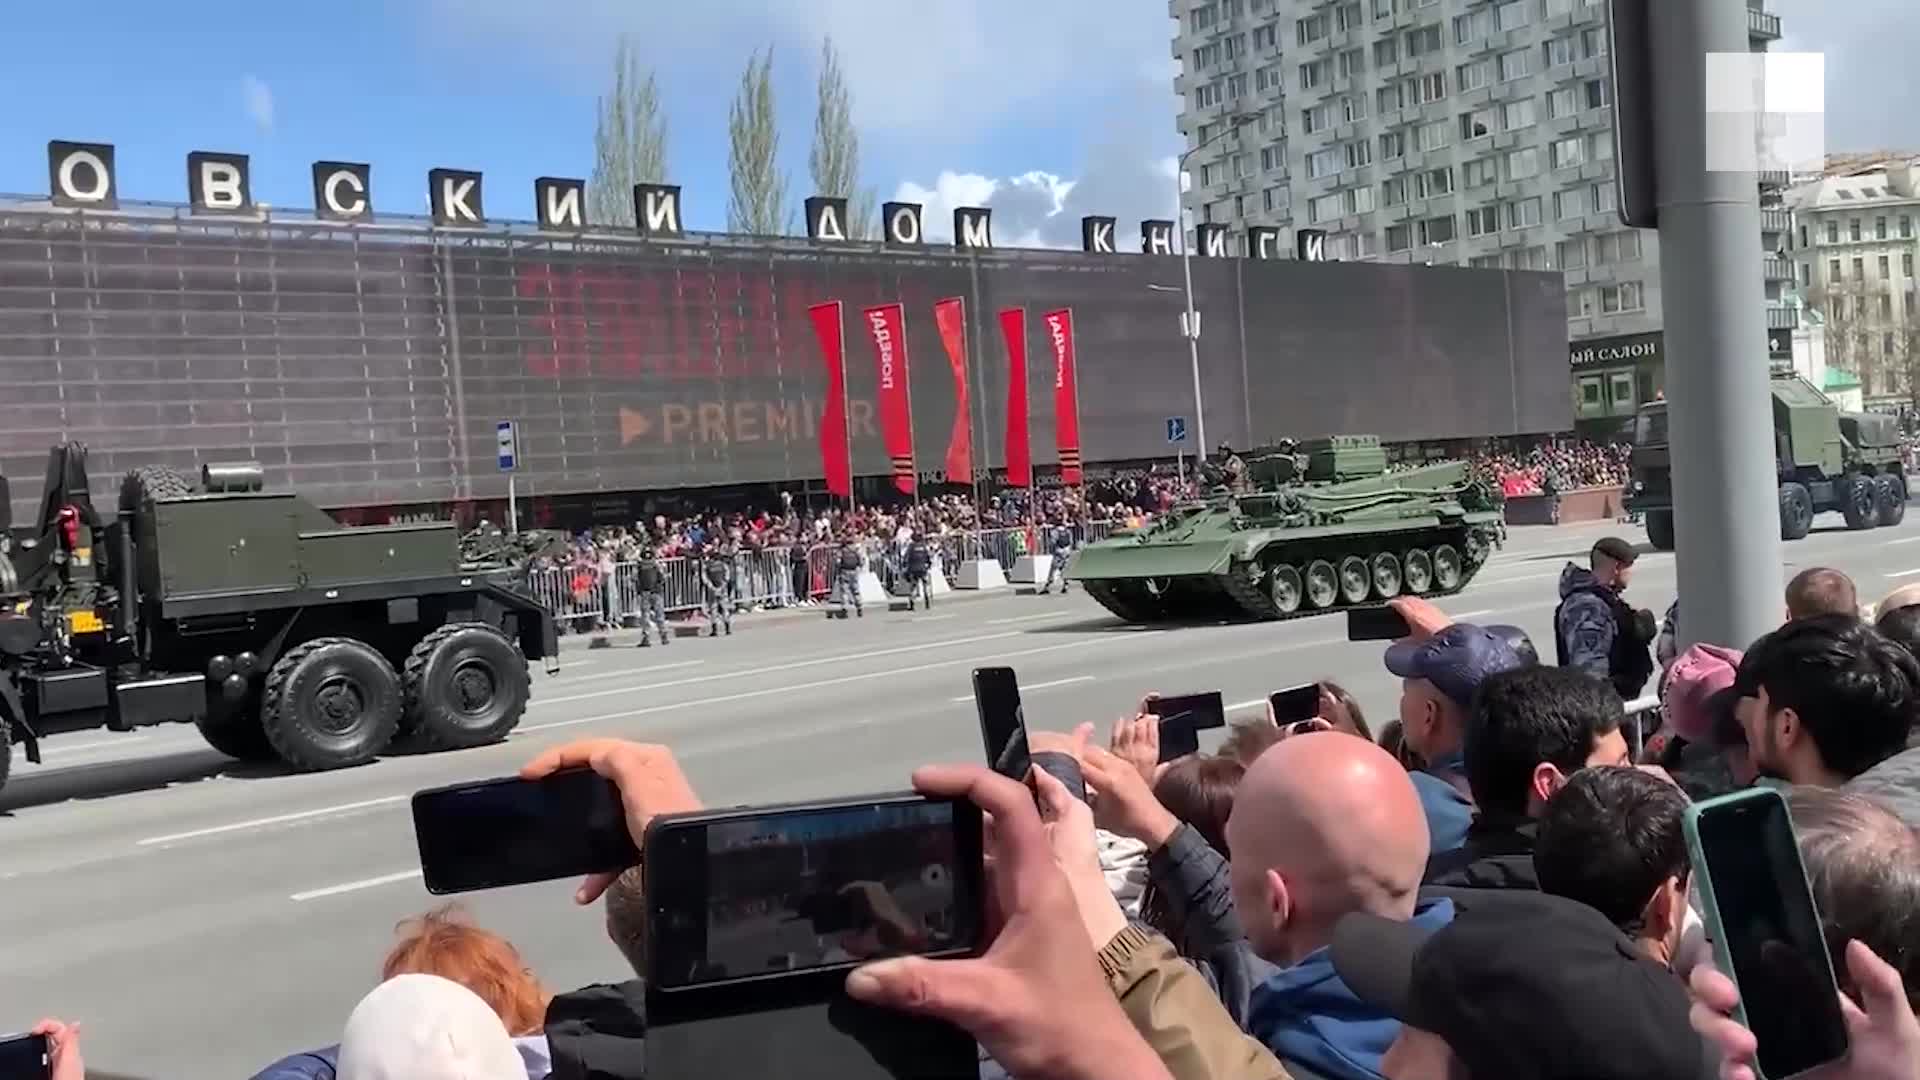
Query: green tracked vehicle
point(1315, 531)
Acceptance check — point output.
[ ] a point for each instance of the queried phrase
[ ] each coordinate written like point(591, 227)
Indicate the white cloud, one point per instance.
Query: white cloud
point(1025, 207)
point(257, 97)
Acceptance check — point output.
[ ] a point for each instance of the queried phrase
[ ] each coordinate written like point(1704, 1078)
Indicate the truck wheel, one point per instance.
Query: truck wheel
point(1796, 510)
point(1892, 494)
point(466, 685)
point(6, 752)
point(238, 734)
point(1660, 529)
point(1857, 499)
point(330, 703)
point(149, 482)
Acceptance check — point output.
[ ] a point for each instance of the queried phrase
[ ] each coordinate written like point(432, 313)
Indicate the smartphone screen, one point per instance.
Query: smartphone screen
point(1198, 711)
point(1376, 624)
point(26, 1057)
point(1178, 738)
point(512, 831)
point(1003, 726)
point(1295, 704)
point(749, 894)
point(1767, 929)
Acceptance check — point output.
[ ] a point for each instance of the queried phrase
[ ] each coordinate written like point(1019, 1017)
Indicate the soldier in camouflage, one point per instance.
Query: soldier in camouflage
point(1598, 632)
point(847, 564)
point(650, 584)
point(716, 585)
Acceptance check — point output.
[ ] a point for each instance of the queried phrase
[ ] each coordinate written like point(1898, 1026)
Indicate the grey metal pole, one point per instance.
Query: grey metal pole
point(1193, 340)
point(1726, 495)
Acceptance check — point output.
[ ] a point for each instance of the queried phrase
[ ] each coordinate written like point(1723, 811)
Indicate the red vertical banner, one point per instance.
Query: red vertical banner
point(887, 328)
point(1066, 392)
point(1013, 327)
point(836, 451)
point(951, 317)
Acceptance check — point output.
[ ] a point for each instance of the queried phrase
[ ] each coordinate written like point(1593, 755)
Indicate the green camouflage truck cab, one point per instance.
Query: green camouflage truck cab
point(280, 633)
point(1825, 459)
point(1325, 528)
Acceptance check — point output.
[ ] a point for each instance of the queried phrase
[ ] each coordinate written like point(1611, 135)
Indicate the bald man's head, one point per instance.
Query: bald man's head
point(1821, 591)
point(1323, 825)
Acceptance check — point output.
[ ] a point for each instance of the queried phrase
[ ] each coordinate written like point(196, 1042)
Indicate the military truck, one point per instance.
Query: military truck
point(1825, 459)
point(252, 614)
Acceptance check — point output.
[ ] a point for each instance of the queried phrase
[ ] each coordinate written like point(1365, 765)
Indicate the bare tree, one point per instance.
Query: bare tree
point(1849, 330)
point(758, 204)
point(629, 140)
point(835, 158)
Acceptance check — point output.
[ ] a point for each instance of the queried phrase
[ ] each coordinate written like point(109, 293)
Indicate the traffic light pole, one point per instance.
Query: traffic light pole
point(1726, 499)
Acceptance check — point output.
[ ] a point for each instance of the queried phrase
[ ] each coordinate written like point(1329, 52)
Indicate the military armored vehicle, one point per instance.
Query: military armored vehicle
point(1309, 532)
point(254, 615)
point(1824, 459)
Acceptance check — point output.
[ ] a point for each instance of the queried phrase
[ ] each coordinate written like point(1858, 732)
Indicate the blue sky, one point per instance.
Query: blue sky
point(991, 101)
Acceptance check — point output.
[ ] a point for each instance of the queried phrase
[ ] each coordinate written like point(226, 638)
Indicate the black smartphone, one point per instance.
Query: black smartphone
point(1199, 711)
point(1376, 624)
point(25, 1057)
point(1003, 726)
point(768, 892)
point(1760, 914)
point(1295, 704)
point(511, 831)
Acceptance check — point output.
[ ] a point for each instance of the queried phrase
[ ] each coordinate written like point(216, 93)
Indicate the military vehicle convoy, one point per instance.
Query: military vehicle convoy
point(281, 634)
point(1825, 460)
point(1324, 528)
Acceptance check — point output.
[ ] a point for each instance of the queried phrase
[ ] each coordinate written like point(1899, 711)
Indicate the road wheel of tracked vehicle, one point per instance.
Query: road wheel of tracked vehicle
point(330, 703)
point(6, 752)
point(1796, 510)
point(1446, 568)
point(1323, 585)
point(1286, 588)
point(466, 685)
point(1857, 502)
point(1660, 529)
point(1418, 566)
point(152, 482)
point(1355, 579)
point(237, 733)
point(1892, 493)
point(1387, 578)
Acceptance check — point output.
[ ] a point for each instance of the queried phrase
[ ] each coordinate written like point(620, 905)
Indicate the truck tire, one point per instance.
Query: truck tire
point(330, 703)
point(1796, 510)
point(239, 735)
point(1891, 489)
point(1858, 501)
point(466, 685)
point(6, 752)
point(1660, 529)
point(150, 482)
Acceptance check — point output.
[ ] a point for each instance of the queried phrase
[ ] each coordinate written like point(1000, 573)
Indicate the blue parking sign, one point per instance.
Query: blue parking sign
point(507, 444)
point(1176, 429)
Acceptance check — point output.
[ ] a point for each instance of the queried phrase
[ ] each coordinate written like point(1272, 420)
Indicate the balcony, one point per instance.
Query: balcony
point(1777, 268)
point(1775, 221)
point(1783, 318)
point(1762, 25)
point(1775, 178)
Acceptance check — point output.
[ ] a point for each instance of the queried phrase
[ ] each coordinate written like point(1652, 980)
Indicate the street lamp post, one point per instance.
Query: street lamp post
point(1190, 327)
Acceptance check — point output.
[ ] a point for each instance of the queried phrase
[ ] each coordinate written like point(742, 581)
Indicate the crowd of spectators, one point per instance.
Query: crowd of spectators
point(1561, 465)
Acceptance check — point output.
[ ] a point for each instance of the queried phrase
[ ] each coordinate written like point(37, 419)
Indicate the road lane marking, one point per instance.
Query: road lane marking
point(1036, 686)
point(1247, 706)
point(1032, 618)
point(631, 672)
point(277, 819)
point(1903, 573)
point(1904, 540)
point(930, 618)
point(354, 886)
point(1465, 615)
point(97, 744)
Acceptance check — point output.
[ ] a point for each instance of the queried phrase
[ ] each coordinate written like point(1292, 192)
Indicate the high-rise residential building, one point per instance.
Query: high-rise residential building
point(1853, 253)
point(1450, 132)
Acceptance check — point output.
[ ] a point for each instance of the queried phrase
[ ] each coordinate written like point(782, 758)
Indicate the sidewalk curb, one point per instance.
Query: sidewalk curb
point(697, 627)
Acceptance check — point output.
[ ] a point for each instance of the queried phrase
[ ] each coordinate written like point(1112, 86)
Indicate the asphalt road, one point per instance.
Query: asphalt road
point(201, 918)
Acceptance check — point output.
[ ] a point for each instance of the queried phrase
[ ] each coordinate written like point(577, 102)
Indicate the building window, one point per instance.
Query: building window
point(1619, 247)
point(1479, 171)
point(1514, 65)
point(1266, 37)
point(1242, 166)
point(1593, 43)
point(1309, 30)
point(1360, 200)
point(1353, 62)
point(1523, 163)
point(1556, 7)
point(1572, 254)
point(1317, 119)
point(1859, 268)
point(1388, 98)
point(1359, 153)
point(1322, 163)
point(1438, 230)
point(1803, 237)
point(1211, 173)
point(1471, 27)
point(1600, 146)
point(1906, 264)
point(1399, 237)
point(1353, 107)
point(1886, 306)
point(1236, 47)
point(1267, 78)
point(1483, 221)
point(1313, 75)
point(1432, 136)
point(1879, 228)
point(1886, 344)
point(1324, 208)
point(1433, 183)
point(1202, 17)
point(1603, 198)
point(1599, 93)
point(1511, 15)
point(1272, 157)
point(1806, 275)
point(1523, 213)
point(1423, 40)
point(1237, 85)
point(1569, 205)
point(1833, 232)
point(1533, 258)
point(1580, 306)
point(1348, 16)
point(1615, 299)
point(1393, 145)
point(1220, 211)
point(1559, 52)
point(1386, 51)
point(1853, 230)
point(1906, 227)
point(1567, 153)
point(1206, 56)
point(1563, 102)
point(1477, 124)
point(1485, 262)
point(1886, 267)
point(1472, 76)
point(1394, 191)
point(1207, 95)
point(1515, 115)
point(1275, 199)
point(1833, 270)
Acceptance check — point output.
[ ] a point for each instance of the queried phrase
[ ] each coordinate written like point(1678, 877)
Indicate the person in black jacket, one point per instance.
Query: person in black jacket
point(917, 568)
point(599, 1032)
point(650, 583)
point(1597, 631)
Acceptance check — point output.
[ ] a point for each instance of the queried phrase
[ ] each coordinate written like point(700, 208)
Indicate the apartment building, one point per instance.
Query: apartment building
point(1449, 132)
point(1855, 243)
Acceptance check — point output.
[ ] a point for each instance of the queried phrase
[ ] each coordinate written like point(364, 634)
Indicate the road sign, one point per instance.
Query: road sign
point(506, 445)
point(1176, 429)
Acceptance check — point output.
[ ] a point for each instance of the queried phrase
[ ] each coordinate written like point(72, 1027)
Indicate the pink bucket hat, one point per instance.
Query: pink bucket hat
point(1700, 690)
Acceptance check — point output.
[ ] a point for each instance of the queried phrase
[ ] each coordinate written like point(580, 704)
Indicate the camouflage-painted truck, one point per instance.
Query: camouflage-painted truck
point(281, 634)
point(1824, 459)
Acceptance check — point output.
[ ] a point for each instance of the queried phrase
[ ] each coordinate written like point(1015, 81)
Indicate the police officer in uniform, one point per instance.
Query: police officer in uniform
point(1597, 631)
point(716, 583)
point(1061, 549)
point(847, 564)
point(918, 568)
point(650, 584)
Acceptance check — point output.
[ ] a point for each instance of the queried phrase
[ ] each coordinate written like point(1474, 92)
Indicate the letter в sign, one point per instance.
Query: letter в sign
point(342, 191)
point(1211, 240)
point(454, 195)
point(972, 227)
point(902, 222)
point(218, 183)
point(826, 219)
point(560, 204)
point(1156, 237)
point(1263, 242)
point(656, 209)
point(1096, 235)
point(81, 174)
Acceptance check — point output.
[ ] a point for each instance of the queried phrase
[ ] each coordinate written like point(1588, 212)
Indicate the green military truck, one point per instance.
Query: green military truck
point(253, 614)
point(1826, 459)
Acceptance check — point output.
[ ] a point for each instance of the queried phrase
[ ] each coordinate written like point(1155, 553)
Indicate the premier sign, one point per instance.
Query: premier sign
point(81, 176)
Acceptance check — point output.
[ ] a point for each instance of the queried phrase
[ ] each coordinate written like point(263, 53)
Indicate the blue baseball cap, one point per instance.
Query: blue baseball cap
point(1456, 660)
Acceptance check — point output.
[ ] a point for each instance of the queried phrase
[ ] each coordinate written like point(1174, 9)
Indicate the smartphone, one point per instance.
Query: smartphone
point(1293, 705)
point(1376, 624)
point(1199, 711)
point(1003, 725)
point(767, 892)
point(1760, 914)
point(27, 1057)
point(512, 831)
